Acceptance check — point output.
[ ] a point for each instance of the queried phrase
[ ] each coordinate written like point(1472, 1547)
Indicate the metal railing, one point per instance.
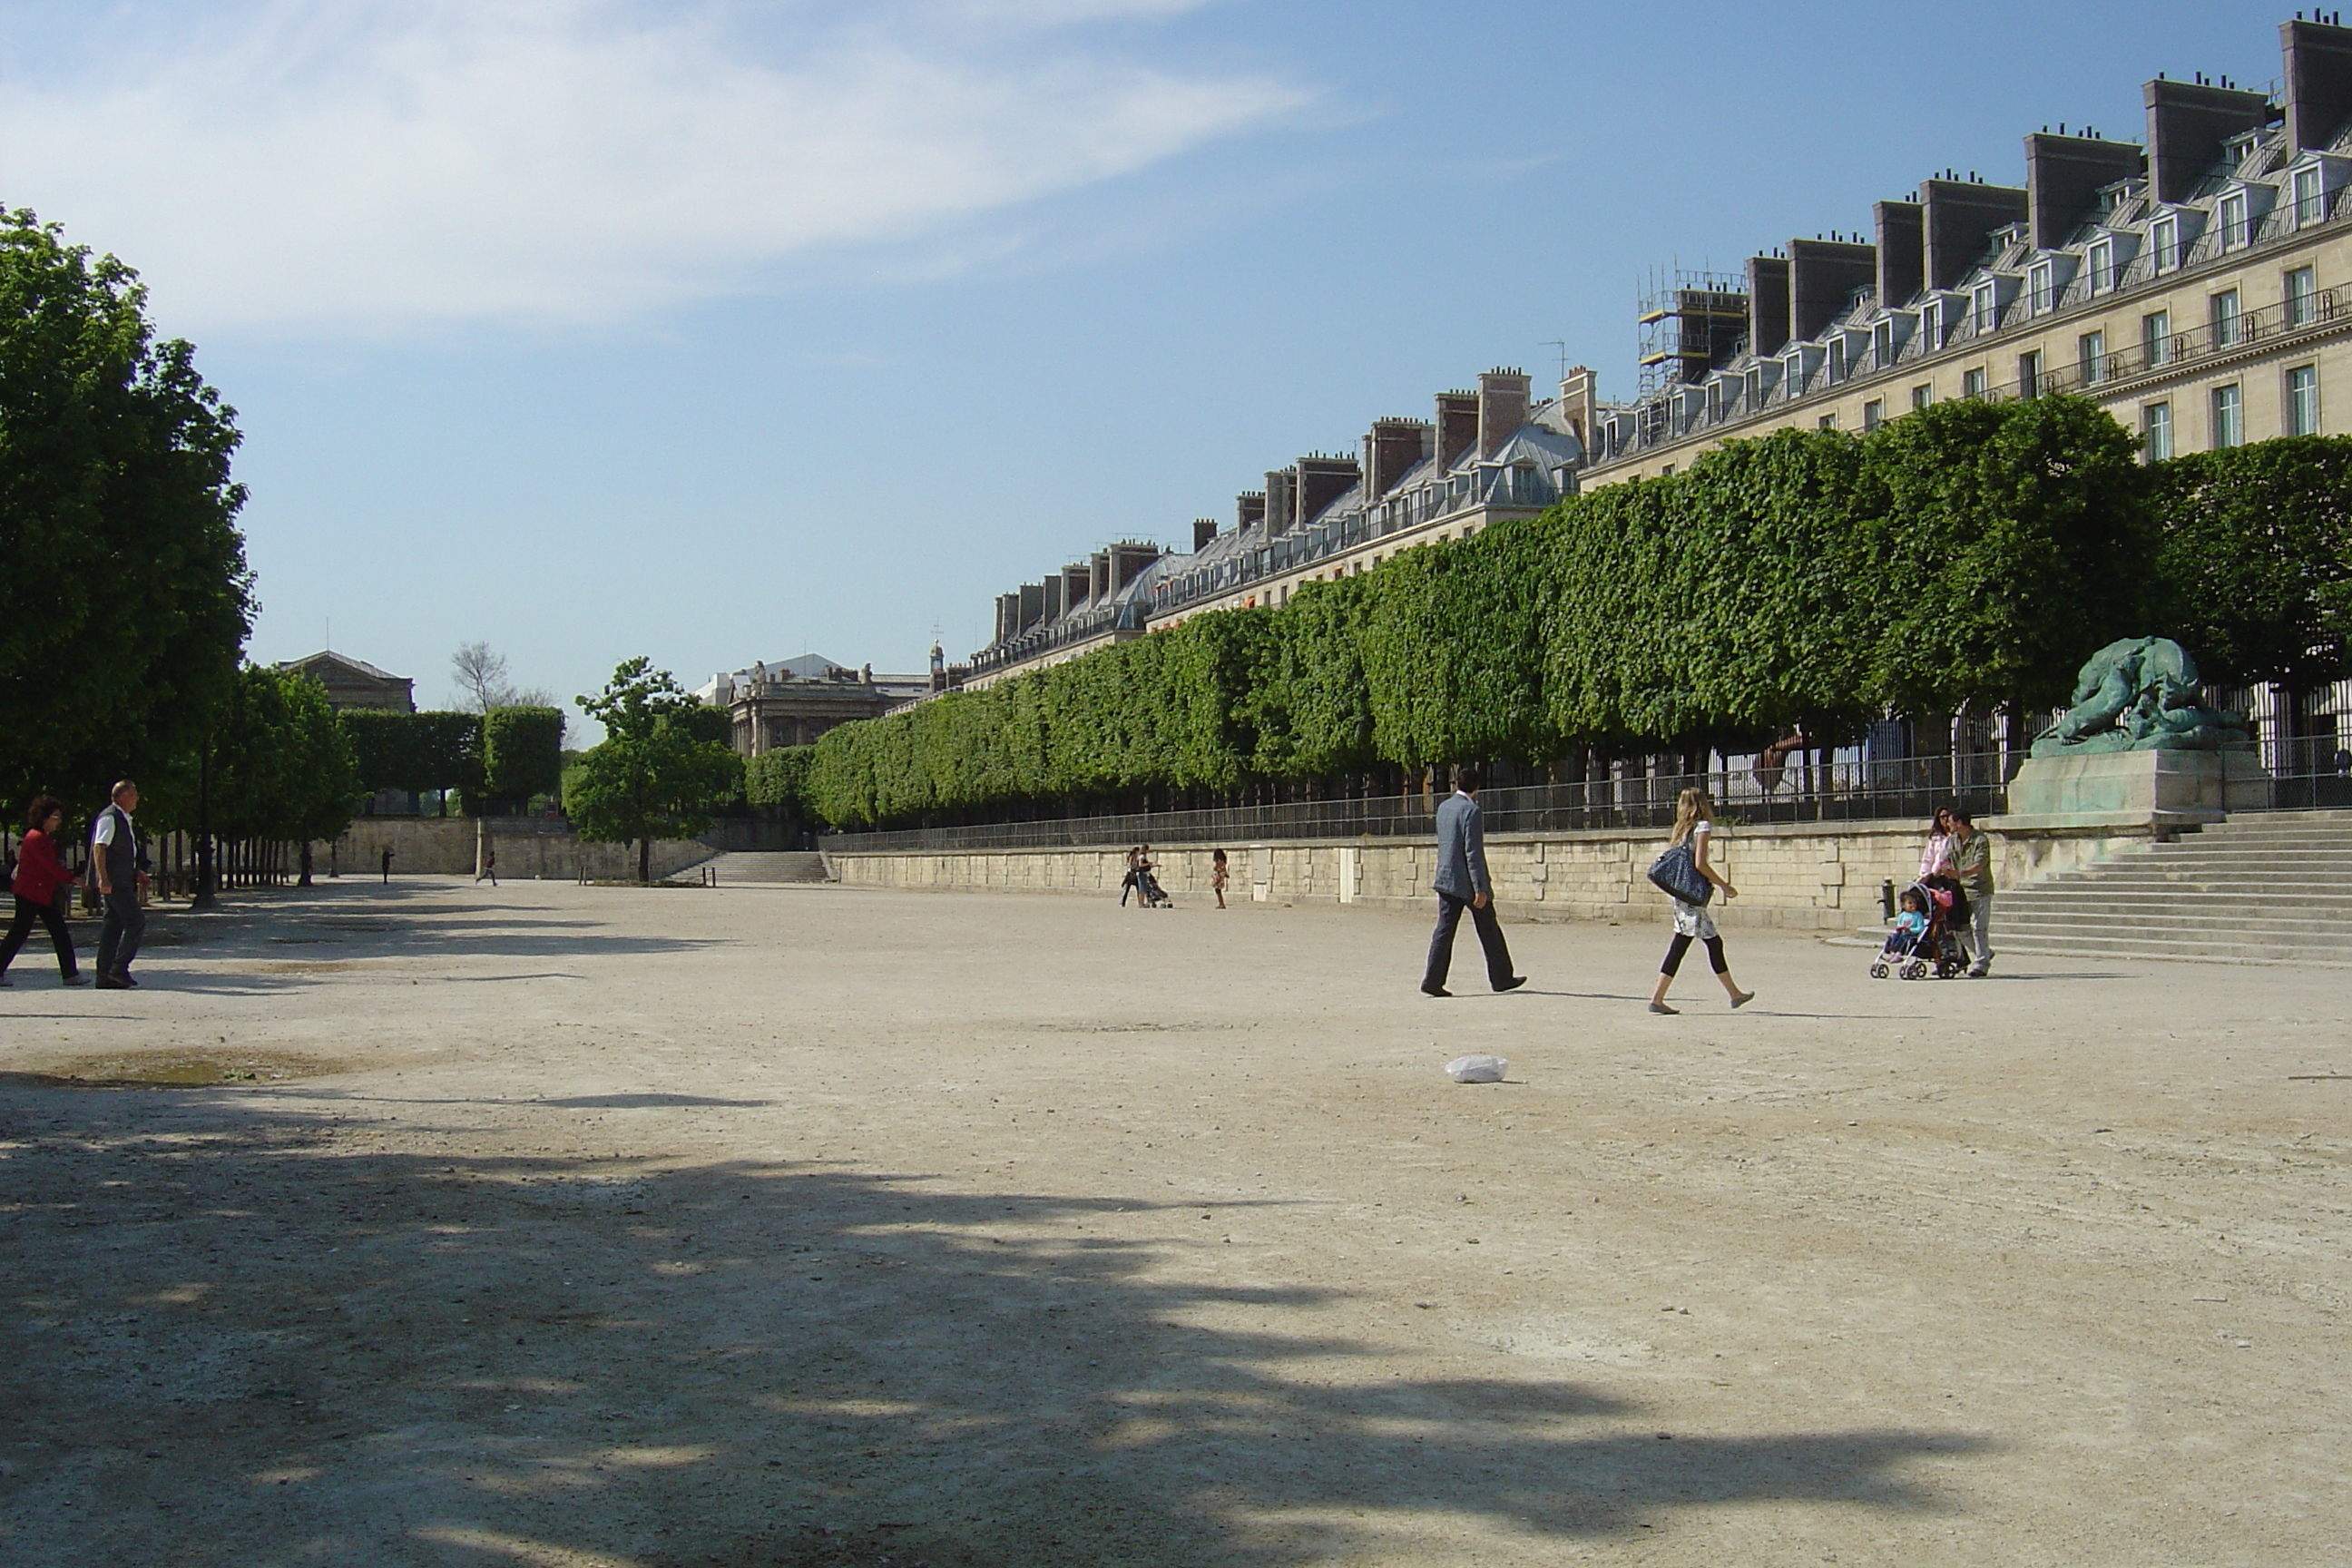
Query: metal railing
point(1796, 792)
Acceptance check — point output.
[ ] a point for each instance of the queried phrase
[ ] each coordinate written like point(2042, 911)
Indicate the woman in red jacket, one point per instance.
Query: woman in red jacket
point(41, 881)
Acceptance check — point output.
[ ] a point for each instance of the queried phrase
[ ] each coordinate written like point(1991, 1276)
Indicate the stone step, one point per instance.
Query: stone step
point(2182, 929)
point(769, 866)
point(2126, 945)
point(2216, 905)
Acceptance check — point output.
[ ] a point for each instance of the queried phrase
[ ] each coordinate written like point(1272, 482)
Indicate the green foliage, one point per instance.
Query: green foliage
point(778, 778)
point(522, 752)
point(127, 596)
point(1972, 553)
point(416, 752)
point(653, 776)
point(281, 766)
point(2256, 560)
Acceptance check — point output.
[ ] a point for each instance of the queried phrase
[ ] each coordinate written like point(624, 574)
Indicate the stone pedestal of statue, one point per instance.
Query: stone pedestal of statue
point(2123, 789)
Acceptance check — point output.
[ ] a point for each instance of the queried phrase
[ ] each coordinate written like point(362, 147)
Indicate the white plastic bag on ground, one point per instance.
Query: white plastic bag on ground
point(1477, 1069)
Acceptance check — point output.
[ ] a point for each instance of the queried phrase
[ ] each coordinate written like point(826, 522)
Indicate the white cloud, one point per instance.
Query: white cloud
point(345, 164)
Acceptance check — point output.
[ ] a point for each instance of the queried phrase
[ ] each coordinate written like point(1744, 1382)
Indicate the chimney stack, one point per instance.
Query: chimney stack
point(2186, 124)
point(1281, 502)
point(1457, 427)
point(1959, 217)
point(1503, 397)
point(1902, 251)
point(1768, 304)
point(1033, 604)
point(2064, 175)
point(1054, 604)
point(1077, 584)
point(2318, 57)
point(1822, 273)
point(1321, 481)
point(1579, 397)
point(1099, 584)
point(1204, 528)
point(1008, 617)
point(1392, 448)
point(1249, 511)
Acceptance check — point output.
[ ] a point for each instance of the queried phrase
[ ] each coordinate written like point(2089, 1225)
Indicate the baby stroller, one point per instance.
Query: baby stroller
point(1155, 896)
point(1937, 952)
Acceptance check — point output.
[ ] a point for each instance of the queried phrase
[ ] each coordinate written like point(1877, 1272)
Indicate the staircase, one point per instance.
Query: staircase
point(773, 865)
point(2270, 888)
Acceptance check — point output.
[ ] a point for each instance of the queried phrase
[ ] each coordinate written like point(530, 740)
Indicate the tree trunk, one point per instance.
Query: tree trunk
point(646, 862)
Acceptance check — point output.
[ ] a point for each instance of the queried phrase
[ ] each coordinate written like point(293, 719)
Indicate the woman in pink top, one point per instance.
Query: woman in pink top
point(41, 881)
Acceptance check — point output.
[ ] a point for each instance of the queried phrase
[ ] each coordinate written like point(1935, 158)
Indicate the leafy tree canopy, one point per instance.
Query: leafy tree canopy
point(653, 776)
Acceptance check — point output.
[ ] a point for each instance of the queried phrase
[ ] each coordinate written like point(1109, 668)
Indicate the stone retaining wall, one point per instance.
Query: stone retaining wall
point(443, 845)
point(1814, 876)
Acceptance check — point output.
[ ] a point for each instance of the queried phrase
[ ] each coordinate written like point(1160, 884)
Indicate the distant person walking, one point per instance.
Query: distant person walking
point(1693, 822)
point(40, 888)
point(1217, 875)
point(1972, 869)
point(120, 864)
point(1462, 883)
point(489, 868)
point(387, 864)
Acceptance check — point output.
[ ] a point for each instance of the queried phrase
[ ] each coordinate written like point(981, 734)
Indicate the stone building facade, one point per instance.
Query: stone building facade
point(792, 702)
point(355, 683)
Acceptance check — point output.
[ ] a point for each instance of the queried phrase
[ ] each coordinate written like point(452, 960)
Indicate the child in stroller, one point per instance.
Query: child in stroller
point(1926, 939)
point(1139, 881)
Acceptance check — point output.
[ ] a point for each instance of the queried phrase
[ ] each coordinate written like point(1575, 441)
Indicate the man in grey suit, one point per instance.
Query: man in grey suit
point(1462, 883)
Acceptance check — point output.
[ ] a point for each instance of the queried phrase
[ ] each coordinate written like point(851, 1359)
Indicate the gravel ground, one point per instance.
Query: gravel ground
point(588, 1228)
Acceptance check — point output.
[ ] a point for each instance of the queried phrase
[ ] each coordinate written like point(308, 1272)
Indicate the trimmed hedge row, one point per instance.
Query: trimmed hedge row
point(1969, 553)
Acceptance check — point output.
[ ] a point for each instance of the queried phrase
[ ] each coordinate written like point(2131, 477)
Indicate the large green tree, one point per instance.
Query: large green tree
point(653, 776)
point(126, 598)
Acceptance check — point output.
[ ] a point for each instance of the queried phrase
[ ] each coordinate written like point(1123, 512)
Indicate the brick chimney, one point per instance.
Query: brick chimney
point(1458, 425)
point(2318, 58)
point(1902, 251)
point(1959, 217)
point(1078, 582)
point(1281, 500)
point(1502, 407)
point(1392, 448)
point(2062, 178)
point(1579, 400)
point(1768, 304)
point(1249, 511)
point(1821, 274)
point(1099, 584)
point(1323, 479)
point(1204, 528)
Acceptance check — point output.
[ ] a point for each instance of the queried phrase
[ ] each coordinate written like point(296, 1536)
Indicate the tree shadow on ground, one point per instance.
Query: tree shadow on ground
point(237, 1335)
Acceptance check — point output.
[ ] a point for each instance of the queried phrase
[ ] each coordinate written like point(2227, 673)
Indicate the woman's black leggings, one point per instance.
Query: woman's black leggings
point(1681, 944)
point(21, 927)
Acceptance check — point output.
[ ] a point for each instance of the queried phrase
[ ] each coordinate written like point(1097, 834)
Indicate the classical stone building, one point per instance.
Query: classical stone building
point(355, 683)
point(792, 702)
point(1481, 458)
point(2194, 284)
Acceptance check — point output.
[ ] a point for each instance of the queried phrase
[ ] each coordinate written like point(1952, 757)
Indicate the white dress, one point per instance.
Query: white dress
point(1692, 920)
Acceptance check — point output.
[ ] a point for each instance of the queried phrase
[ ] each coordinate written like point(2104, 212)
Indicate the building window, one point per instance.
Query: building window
point(2224, 310)
point(1828, 422)
point(1972, 382)
point(1874, 413)
point(2156, 338)
point(2038, 286)
point(2229, 418)
point(2303, 400)
point(2091, 354)
point(2232, 215)
point(1837, 360)
point(1882, 344)
point(1931, 323)
point(2029, 374)
point(2155, 431)
point(2102, 265)
point(1985, 296)
point(2164, 244)
point(2310, 202)
point(1922, 395)
point(2302, 298)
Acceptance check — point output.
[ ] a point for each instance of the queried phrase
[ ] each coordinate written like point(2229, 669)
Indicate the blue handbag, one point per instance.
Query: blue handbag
point(1675, 873)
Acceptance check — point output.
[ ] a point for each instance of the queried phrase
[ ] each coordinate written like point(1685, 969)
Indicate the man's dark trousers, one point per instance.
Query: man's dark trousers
point(1441, 941)
point(118, 939)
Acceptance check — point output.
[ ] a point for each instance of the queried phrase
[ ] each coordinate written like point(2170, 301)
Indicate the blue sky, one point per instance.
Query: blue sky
point(726, 331)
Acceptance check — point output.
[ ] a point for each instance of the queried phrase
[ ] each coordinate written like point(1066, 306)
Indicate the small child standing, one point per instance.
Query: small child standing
point(1217, 875)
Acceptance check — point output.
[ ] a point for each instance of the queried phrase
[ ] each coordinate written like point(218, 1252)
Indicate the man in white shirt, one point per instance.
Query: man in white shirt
point(121, 865)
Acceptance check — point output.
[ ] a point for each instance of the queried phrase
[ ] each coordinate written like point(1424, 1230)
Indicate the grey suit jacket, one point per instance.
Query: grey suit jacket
point(1461, 848)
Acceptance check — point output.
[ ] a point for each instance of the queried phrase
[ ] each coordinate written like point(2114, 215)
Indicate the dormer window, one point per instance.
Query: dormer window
point(1931, 323)
point(2164, 241)
point(2102, 265)
point(1984, 302)
point(2232, 211)
point(2038, 288)
point(2310, 200)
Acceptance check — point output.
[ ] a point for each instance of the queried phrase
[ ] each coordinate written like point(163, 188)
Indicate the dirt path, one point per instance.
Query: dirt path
point(568, 1227)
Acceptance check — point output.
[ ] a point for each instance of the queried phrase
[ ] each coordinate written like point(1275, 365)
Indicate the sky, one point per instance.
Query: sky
point(723, 330)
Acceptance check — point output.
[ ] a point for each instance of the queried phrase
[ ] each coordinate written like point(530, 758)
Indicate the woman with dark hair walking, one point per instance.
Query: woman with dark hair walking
point(41, 881)
point(1694, 821)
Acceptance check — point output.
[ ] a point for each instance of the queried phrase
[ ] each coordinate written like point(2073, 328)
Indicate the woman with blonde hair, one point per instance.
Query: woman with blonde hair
point(1694, 821)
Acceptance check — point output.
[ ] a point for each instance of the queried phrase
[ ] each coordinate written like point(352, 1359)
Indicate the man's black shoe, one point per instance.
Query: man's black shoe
point(109, 982)
point(1435, 991)
point(1513, 983)
point(128, 983)
point(76, 979)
